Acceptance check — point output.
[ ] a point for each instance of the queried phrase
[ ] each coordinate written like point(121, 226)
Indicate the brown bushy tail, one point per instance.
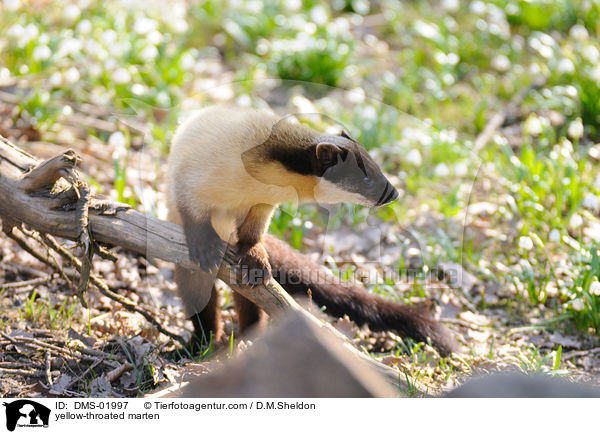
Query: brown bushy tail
point(297, 274)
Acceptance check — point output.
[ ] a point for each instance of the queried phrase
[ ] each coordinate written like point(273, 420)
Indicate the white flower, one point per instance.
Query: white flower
point(441, 170)
point(121, 76)
point(356, 95)
point(108, 37)
point(25, 34)
point(575, 130)
point(293, 5)
point(84, 27)
point(565, 66)
point(427, 30)
point(94, 70)
point(577, 305)
point(138, 89)
point(570, 91)
point(554, 236)
point(95, 49)
point(452, 59)
point(155, 37)
point(318, 15)
point(187, 61)
point(546, 51)
point(416, 134)
point(595, 288)
point(243, 100)
point(591, 54)
point(41, 52)
point(448, 136)
point(254, 6)
point(534, 69)
point(579, 32)
point(595, 74)
point(72, 75)
point(533, 125)
point(460, 169)
point(525, 243)
point(149, 53)
point(501, 63)
point(71, 12)
point(12, 5)
point(551, 289)
point(69, 46)
point(414, 157)
point(55, 79)
point(590, 201)
point(575, 221)
point(451, 5)
point(117, 140)
point(15, 31)
point(31, 31)
point(478, 7)
point(369, 113)
point(163, 99)
point(566, 148)
point(303, 105)
point(144, 25)
point(110, 63)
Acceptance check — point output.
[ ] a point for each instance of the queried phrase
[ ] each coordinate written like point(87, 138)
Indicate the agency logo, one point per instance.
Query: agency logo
point(26, 413)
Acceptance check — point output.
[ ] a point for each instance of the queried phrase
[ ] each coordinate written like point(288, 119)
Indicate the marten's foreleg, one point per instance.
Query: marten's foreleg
point(206, 247)
point(252, 255)
point(201, 301)
point(196, 287)
point(254, 261)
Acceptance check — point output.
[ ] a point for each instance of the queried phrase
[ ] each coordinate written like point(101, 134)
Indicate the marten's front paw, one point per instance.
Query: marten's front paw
point(205, 246)
point(254, 265)
point(207, 255)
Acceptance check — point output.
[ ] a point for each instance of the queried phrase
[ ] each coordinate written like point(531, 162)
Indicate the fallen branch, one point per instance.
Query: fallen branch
point(118, 371)
point(51, 211)
point(65, 352)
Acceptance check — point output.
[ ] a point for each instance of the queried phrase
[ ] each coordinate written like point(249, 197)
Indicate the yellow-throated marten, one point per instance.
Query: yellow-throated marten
point(228, 170)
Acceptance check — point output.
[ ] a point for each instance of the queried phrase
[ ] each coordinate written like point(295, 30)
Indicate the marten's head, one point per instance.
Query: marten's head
point(321, 167)
point(347, 173)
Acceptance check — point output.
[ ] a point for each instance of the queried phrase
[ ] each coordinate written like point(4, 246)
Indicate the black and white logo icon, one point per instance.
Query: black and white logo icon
point(26, 413)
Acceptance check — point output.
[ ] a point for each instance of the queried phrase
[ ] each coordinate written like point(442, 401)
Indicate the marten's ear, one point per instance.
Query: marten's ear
point(328, 153)
point(345, 134)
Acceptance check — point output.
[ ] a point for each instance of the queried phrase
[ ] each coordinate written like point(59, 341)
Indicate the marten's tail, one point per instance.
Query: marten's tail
point(297, 274)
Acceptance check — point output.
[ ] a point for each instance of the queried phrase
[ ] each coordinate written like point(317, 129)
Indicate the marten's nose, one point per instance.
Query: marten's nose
point(389, 194)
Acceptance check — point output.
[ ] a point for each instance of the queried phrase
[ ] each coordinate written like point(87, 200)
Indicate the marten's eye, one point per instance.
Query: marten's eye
point(330, 164)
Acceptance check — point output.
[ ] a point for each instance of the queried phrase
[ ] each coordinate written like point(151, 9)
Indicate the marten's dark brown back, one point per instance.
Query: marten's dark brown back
point(297, 274)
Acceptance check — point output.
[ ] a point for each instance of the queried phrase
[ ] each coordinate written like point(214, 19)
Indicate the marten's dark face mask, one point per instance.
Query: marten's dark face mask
point(347, 173)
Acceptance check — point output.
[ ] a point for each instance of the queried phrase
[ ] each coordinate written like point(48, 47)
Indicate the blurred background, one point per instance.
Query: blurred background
point(513, 206)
